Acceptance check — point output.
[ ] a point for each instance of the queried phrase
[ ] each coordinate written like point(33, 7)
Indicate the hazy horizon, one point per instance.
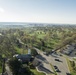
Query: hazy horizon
point(35, 23)
point(38, 11)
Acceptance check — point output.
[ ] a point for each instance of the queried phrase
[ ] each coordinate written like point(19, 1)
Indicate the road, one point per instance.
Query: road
point(8, 70)
point(63, 66)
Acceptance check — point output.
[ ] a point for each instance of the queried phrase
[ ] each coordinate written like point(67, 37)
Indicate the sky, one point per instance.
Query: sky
point(38, 11)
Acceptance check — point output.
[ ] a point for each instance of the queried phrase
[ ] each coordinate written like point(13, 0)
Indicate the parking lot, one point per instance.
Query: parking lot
point(61, 64)
point(73, 54)
point(45, 65)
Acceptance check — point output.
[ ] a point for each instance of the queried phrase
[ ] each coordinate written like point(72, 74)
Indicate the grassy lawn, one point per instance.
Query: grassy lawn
point(36, 72)
point(41, 36)
point(20, 50)
point(74, 59)
point(70, 67)
point(53, 69)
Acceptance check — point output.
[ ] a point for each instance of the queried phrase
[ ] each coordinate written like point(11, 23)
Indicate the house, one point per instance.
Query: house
point(23, 57)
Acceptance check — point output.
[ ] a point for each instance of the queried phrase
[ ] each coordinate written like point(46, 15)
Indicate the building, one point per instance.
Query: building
point(23, 57)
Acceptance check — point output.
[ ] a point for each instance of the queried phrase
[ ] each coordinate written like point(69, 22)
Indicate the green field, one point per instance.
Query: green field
point(36, 72)
point(73, 72)
point(20, 50)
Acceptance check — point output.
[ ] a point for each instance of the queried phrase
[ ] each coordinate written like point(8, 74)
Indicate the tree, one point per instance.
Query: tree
point(18, 69)
point(15, 65)
point(7, 48)
point(34, 52)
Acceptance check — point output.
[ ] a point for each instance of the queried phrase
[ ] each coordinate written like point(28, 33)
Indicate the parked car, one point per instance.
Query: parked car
point(68, 74)
point(57, 60)
point(56, 69)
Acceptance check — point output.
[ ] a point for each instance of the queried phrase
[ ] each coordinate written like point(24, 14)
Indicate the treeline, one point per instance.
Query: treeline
point(44, 38)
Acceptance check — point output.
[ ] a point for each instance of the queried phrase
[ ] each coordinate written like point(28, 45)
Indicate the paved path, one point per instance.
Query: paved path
point(8, 70)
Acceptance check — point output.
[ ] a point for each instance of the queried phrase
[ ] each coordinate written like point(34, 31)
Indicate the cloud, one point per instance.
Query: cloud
point(1, 10)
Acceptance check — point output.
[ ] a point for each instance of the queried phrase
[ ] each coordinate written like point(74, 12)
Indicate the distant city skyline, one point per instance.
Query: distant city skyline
point(38, 11)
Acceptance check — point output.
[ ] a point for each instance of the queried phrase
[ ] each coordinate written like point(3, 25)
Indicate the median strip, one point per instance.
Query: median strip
point(53, 69)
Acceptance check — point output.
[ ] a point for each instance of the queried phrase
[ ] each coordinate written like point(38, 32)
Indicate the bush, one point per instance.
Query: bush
point(15, 65)
point(34, 52)
point(32, 66)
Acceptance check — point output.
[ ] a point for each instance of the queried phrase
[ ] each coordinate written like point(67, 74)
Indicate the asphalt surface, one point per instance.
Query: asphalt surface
point(44, 66)
point(45, 63)
point(8, 70)
point(62, 64)
point(73, 54)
